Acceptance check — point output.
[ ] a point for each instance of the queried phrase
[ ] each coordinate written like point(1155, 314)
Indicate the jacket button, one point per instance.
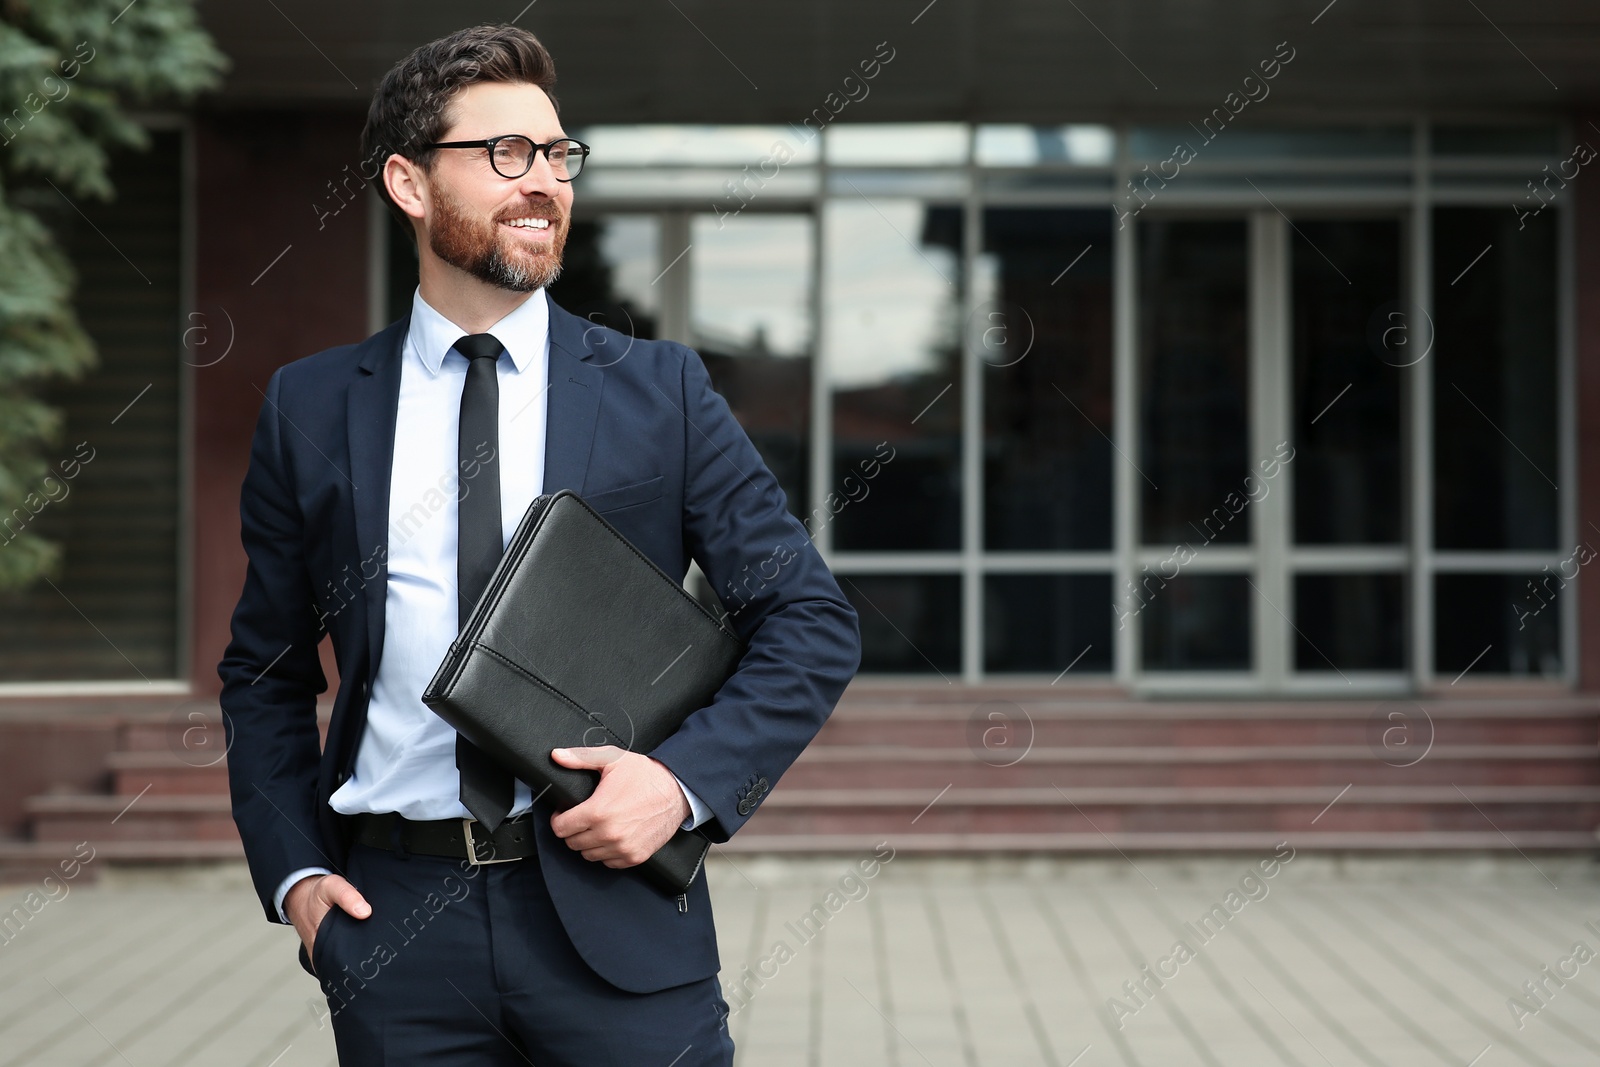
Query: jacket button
point(744, 807)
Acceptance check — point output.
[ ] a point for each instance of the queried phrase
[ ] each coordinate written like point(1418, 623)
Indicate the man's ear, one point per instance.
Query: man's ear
point(407, 185)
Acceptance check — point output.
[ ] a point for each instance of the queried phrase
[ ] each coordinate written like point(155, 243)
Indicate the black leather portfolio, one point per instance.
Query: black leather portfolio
point(579, 639)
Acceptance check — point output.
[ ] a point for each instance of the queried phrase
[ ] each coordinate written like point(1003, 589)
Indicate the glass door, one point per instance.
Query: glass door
point(1353, 344)
point(751, 318)
point(1189, 605)
point(739, 290)
point(1269, 373)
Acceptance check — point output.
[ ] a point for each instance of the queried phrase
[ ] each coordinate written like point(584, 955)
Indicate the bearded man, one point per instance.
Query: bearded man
point(450, 916)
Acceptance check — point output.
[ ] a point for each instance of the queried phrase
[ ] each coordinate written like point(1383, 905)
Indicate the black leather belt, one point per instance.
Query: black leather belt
point(461, 839)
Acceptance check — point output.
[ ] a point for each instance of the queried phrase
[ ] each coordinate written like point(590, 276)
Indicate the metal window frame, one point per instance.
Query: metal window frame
point(1271, 559)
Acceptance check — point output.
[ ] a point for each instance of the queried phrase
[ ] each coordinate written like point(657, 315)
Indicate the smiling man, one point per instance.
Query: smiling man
point(450, 917)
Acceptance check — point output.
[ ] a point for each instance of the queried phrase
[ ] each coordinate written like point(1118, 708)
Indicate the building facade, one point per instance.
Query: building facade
point(1266, 410)
point(1265, 380)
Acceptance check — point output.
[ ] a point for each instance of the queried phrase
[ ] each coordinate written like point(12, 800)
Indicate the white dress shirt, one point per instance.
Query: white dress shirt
point(405, 761)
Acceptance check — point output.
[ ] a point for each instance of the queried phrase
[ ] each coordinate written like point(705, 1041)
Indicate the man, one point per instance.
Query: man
point(384, 480)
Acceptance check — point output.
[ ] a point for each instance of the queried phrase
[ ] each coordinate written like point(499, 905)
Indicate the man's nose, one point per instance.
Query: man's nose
point(541, 178)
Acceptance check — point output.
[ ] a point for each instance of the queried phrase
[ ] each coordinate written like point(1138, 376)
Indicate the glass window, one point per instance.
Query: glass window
point(110, 496)
point(750, 317)
point(896, 143)
point(1494, 379)
point(691, 145)
point(1537, 140)
point(1026, 146)
point(910, 623)
point(1195, 622)
point(1046, 623)
point(893, 285)
point(607, 271)
point(1152, 143)
point(1345, 286)
point(883, 234)
point(1193, 374)
point(1043, 332)
point(1349, 622)
point(1497, 624)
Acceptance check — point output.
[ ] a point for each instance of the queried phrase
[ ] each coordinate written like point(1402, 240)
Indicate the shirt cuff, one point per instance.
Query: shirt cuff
point(698, 812)
point(288, 883)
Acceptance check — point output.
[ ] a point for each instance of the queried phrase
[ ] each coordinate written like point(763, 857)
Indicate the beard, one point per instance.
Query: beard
point(483, 249)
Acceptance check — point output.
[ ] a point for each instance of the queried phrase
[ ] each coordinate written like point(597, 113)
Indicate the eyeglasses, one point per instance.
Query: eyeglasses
point(511, 154)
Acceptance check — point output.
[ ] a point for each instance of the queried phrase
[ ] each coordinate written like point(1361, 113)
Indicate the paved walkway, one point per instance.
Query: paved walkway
point(1380, 962)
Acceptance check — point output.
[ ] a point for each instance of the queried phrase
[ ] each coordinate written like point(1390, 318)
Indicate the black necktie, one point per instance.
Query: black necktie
point(486, 787)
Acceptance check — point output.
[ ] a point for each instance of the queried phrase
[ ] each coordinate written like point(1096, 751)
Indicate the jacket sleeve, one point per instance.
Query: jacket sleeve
point(802, 634)
point(271, 674)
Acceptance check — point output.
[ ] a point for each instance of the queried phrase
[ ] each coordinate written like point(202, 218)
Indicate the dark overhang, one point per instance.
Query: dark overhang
point(1042, 61)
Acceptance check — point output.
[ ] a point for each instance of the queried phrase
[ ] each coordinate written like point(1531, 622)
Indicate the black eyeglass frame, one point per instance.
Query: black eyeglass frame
point(489, 144)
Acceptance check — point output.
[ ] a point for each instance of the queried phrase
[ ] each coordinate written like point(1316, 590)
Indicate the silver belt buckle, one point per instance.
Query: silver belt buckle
point(472, 848)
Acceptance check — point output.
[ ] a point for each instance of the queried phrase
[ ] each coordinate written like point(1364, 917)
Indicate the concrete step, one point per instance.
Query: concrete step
point(831, 766)
point(1028, 768)
point(992, 727)
point(192, 731)
point(148, 818)
point(166, 773)
point(895, 766)
point(1125, 843)
point(1301, 810)
point(25, 862)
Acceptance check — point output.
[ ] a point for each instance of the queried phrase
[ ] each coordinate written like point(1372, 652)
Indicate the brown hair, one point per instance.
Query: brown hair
point(409, 107)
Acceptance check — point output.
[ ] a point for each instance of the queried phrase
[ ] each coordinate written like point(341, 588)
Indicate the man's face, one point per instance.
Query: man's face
point(471, 208)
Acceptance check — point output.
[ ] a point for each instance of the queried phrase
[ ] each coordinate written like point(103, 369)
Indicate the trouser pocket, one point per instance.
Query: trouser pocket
point(312, 964)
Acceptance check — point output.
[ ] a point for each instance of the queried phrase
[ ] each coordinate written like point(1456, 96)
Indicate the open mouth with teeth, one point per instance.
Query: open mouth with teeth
point(534, 225)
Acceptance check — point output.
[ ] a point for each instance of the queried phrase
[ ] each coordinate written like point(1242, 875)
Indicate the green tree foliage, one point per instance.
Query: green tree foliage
point(70, 70)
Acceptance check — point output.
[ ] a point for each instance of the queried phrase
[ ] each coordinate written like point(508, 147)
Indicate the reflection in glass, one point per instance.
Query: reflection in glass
point(750, 316)
point(1511, 621)
point(1194, 429)
point(1349, 622)
point(1045, 623)
point(662, 144)
point(893, 286)
point(1345, 279)
point(1206, 141)
point(910, 623)
point(1016, 145)
point(896, 143)
point(1197, 622)
point(1494, 379)
point(1043, 333)
point(606, 271)
point(1536, 140)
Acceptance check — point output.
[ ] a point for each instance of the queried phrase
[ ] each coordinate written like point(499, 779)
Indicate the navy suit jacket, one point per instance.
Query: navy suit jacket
point(636, 429)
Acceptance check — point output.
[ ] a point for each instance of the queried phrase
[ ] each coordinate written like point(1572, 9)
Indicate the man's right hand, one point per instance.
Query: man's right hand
point(309, 899)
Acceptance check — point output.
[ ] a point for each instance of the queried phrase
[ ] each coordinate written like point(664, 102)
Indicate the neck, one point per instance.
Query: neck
point(470, 303)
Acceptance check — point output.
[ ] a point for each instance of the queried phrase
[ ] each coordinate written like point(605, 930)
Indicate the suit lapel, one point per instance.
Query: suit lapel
point(574, 402)
point(373, 402)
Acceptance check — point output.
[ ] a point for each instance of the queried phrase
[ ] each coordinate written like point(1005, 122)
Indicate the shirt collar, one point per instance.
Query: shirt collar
point(524, 332)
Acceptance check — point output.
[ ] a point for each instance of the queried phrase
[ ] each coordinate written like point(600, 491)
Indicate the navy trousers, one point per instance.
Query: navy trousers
point(462, 965)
